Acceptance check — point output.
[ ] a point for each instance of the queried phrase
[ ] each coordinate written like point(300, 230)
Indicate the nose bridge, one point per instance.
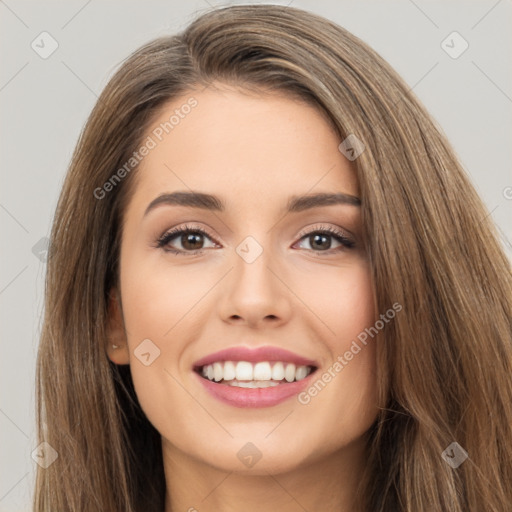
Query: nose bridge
point(253, 292)
point(252, 260)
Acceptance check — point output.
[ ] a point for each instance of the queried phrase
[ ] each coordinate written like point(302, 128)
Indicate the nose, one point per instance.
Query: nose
point(255, 293)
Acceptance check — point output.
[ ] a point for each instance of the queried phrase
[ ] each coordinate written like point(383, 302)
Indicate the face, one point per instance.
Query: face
point(236, 308)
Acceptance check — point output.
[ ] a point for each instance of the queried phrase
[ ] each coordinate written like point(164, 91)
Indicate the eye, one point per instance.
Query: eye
point(190, 238)
point(320, 240)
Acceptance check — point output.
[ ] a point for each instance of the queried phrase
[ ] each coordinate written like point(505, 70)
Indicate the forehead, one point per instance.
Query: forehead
point(242, 146)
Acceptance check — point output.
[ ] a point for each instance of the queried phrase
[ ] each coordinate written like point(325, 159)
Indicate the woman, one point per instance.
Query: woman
point(271, 286)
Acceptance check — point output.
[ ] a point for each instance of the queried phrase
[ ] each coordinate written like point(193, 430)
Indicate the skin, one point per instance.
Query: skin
point(253, 151)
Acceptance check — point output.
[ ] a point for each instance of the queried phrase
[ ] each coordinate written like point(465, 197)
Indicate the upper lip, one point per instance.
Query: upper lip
point(254, 355)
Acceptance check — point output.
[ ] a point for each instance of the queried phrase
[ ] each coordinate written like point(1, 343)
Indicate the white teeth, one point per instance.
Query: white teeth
point(243, 370)
point(229, 370)
point(301, 372)
point(257, 375)
point(218, 371)
point(262, 371)
point(289, 372)
point(254, 384)
point(278, 371)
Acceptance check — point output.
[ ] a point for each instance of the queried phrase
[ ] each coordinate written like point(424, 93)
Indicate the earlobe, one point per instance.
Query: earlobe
point(117, 343)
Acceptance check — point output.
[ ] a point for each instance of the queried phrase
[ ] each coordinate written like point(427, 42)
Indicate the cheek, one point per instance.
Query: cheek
point(352, 347)
point(155, 305)
point(341, 402)
point(157, 298)
point(353, 311)
point(342, 302)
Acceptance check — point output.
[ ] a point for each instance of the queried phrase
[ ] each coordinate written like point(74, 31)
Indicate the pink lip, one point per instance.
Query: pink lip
point(254, 355)
point(254, 397)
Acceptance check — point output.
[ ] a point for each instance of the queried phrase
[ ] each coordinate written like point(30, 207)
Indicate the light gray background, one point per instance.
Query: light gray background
point(45, 102)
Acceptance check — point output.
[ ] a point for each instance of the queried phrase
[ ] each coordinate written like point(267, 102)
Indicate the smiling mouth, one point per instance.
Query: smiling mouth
point(263, 374)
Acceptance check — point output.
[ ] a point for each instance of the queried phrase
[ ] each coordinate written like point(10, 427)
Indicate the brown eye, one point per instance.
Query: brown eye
point(192, 241)
point(189, 240)
point(321, 240)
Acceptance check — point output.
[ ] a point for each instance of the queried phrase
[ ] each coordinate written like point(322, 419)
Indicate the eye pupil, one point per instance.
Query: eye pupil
point(316, 240)
point(189, 239)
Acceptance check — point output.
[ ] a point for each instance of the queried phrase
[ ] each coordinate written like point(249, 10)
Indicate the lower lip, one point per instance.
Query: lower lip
point(254, 397)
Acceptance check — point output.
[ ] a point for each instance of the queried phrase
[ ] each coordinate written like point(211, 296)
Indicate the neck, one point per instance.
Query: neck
point(326, 484)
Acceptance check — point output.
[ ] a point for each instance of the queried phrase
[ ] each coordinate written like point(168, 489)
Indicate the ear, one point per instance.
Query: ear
point(117, 343)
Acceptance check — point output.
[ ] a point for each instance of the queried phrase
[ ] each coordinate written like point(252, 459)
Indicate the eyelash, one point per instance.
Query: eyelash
point(161, 242)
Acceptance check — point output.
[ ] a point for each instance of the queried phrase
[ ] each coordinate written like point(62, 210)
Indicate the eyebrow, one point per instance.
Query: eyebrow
point(204, 201)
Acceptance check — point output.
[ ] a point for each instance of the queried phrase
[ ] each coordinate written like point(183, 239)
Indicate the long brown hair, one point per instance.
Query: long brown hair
point(444, 363)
